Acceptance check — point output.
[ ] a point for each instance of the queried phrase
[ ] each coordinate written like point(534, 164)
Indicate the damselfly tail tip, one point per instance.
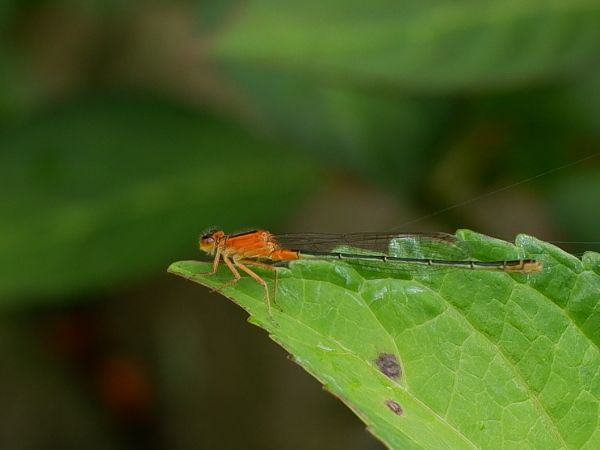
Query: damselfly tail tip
point(532, 266)
point(526, 266)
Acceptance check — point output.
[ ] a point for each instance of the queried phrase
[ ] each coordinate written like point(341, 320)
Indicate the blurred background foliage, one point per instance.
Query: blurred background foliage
point(128, 127)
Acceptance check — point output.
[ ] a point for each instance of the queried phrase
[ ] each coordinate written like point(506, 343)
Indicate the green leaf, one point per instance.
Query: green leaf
point(104, 190)
point(417, 45)
point(450, 358)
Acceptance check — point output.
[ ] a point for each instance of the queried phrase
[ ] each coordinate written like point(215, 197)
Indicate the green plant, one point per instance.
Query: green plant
point(445, 358)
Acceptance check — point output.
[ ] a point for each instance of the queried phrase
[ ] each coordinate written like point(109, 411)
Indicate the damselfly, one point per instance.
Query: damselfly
point(261, 248)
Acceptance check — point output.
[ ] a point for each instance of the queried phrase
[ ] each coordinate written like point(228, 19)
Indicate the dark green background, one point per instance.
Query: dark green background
point(126, 128)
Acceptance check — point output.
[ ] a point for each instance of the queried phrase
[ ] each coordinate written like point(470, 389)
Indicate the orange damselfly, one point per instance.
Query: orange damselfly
point(261, 248)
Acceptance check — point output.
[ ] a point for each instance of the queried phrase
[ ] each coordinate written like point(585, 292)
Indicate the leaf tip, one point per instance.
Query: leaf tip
point(173, 268)
point(187, 269)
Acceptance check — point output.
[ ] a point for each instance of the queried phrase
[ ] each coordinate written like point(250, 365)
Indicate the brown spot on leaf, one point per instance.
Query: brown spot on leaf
point(389, 365)
point(394, 407)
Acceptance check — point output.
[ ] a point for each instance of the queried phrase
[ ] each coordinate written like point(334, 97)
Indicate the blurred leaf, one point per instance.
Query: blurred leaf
point(8, 9)
point(384, 137)
point(15, 88)
point(585, 96)
point(105, 190)
point(446, 359)
point(417, 45)
point(501, 136)
point(574, 204)
point(212, 13)
point(297, 67)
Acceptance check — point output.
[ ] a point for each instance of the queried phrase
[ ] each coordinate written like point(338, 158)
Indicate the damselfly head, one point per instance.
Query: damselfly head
point(208, 241)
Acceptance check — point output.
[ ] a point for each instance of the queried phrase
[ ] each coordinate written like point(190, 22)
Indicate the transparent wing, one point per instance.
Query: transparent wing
point(409, 244)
